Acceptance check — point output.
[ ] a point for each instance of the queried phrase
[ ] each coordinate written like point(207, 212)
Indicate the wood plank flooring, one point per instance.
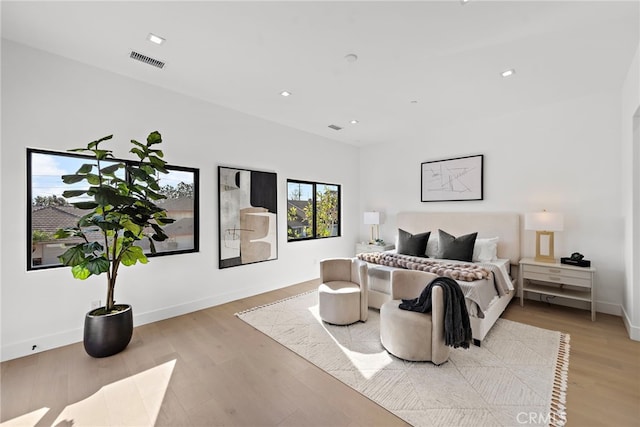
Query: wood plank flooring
point(209, 368)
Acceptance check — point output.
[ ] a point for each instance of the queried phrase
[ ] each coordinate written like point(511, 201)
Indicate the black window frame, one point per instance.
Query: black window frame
point(196, 204)
point(314, 185)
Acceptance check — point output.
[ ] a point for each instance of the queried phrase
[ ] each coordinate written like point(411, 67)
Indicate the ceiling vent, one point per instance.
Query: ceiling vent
point(146, 59)
point(335, 127)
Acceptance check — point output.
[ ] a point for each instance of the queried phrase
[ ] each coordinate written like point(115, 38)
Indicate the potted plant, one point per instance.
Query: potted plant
point(120, 207)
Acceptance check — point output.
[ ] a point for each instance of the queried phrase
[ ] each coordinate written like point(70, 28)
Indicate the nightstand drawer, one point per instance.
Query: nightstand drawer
point(558, 278)
point(558, 272)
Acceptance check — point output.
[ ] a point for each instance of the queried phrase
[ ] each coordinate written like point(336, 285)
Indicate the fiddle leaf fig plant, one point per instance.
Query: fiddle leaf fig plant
point(120, 203)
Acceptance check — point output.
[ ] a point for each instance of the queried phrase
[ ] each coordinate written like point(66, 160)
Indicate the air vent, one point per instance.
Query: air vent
point(146, 59)
point(335, 127)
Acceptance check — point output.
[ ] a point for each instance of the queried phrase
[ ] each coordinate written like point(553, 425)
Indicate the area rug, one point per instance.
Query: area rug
point(518, 377)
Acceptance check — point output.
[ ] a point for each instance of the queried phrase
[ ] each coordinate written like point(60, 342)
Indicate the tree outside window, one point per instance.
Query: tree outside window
point(313, 210)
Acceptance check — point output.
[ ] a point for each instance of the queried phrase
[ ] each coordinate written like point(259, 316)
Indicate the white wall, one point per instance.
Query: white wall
point(53, 103)
point(564, 157)
point(630, 184)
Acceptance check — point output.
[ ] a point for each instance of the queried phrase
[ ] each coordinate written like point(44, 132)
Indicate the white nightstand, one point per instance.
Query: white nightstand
point(365, 247)
point(561, 280)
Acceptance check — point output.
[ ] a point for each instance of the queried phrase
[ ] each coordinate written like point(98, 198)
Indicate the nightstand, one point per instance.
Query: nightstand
point(365, 247)
point(560, 280)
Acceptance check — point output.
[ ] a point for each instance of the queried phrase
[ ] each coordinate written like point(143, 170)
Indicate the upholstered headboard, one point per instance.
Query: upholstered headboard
point(504, 225)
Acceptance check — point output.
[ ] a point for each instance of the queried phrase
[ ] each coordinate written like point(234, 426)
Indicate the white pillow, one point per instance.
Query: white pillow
point(485, 250)
point(432, 246)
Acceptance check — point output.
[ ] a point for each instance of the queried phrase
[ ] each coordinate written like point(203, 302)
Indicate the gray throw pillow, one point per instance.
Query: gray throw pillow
point(412, 244)
point(457, 248)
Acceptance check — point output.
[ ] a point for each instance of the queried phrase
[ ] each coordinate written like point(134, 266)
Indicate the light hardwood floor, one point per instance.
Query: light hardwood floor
point(209, 368)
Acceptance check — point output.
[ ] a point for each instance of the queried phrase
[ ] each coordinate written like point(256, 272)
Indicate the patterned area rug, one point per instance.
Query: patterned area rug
point(518, 377)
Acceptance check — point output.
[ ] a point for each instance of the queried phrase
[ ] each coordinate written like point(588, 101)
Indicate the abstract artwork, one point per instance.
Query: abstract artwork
point(452, 179)
point(247, 203)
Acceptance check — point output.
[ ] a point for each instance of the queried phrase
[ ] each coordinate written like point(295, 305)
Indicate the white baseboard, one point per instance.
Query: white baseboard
point(48, 342)
point(633, 331)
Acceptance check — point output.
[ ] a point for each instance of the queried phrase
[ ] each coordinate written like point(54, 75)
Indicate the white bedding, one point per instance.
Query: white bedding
point(479, 294)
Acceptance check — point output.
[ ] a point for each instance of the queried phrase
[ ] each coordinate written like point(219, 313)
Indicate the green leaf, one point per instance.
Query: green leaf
point(102, 154)
point(144, 147)
point(158, 163)
point(73, 256)
point(132, 227)
point(138, 152)
point(93, 179)
point(92, 247)
point(110, 170)
point(73, 193)
point(106, 196)
point(152, 246)
point(132, 255)
point(72, 179)
point(80, 272)
point(85, 205)
point(85, 168)
point(94, 144)
point(63, 233)
point(154, 138)
point(98, 265)
point(148, 169)
point(139, 173)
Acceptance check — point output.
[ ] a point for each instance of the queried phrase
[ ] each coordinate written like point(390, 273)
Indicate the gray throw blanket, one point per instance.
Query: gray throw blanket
point(457, 327)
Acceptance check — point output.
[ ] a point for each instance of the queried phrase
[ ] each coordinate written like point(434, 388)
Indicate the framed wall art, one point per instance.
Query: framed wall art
point(247, 204)
point(451, 180)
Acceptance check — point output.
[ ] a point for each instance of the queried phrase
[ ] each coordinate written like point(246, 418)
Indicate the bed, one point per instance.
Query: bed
point(484, 308)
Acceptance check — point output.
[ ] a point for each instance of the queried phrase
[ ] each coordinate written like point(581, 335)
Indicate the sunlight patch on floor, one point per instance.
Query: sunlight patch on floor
point(29, 419)
point(368, 364)
point(132, 401)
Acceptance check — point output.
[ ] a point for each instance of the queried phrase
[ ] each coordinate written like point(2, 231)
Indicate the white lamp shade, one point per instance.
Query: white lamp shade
point(544, 221)
point(372, 218)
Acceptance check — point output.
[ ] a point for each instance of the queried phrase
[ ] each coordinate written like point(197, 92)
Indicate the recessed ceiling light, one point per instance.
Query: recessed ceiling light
point(464, 1)
point(353, 122)
point(155, 39)
point(285, 93)
point(508, 73)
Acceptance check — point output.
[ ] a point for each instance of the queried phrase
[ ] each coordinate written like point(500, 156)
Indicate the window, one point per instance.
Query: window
point(49, 211)
point(313, 210)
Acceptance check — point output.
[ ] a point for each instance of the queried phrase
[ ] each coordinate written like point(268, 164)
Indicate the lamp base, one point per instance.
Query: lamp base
point(548, 255)
point(543, 258)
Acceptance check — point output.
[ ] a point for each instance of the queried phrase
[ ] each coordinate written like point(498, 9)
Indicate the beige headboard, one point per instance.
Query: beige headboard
point(504, 225)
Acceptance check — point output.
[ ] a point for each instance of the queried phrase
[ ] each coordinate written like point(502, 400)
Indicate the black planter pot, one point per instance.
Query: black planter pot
point(108, 334)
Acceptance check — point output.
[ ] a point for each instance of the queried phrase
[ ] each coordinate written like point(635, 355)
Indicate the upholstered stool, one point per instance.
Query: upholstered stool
point(411, 335)
point(342, 296)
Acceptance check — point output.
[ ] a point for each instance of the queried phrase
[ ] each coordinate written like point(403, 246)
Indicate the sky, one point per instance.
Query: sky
point(47, 170)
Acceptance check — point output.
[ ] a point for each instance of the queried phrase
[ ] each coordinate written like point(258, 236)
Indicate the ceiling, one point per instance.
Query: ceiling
point(420, 63)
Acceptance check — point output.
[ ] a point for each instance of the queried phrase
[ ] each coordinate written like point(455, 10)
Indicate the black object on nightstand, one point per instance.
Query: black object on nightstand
point(576, 259)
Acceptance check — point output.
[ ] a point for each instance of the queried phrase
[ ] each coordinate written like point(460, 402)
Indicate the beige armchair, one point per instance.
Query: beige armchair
point(342, 294)
point(411, 335)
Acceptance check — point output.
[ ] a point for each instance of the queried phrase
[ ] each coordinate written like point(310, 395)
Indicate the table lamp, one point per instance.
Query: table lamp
point(544, 224)
point(373, 219)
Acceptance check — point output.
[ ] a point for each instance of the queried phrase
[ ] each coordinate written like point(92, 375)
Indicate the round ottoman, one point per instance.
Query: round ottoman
point(339, 302)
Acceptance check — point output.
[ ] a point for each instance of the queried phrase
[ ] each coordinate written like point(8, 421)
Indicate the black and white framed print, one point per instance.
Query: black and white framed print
point(454, 179)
